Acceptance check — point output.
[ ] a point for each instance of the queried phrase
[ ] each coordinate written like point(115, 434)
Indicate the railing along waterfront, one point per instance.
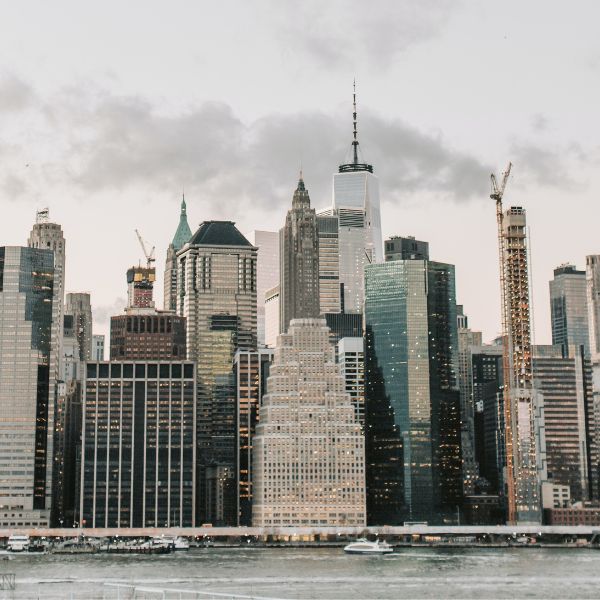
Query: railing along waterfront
point(128, 591)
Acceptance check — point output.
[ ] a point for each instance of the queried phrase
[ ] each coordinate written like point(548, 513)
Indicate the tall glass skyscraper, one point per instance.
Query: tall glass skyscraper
point(568, 308)
point(412, 410)
point(356, 204)
point(26, 386)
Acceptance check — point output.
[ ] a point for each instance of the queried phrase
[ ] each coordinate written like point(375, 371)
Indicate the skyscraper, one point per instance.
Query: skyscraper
point(49, 236)
point(308, 448)
point(467, 339)
point(592, 277)
point(251, 371)
point(356, 204)
point(217, 295)
point(564, 378)
point(351, 358)
point(412, 410)
point(80, 307)
point(138, 445)
point(267, 274)
point(27, 384)
point(329, 264)
point(568, 308)
point(97, 347)
point(522, 405)
point(299, 255)
point(181, 237)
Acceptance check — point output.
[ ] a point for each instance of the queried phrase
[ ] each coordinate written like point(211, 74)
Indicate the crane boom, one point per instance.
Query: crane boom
point(149, 255)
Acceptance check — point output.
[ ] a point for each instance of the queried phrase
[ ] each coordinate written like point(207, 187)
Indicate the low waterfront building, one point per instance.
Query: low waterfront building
point(138, 444)
point(584, 514)
point(309, 465)
point(555, 495)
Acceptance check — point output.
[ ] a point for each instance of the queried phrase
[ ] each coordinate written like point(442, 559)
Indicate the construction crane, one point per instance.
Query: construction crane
point(496, 194)
point(149, 255)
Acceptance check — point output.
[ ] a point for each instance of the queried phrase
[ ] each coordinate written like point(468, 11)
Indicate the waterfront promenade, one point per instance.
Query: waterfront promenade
point(325, 534)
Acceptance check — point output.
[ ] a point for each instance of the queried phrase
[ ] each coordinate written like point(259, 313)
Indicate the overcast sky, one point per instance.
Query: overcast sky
point(109, 109)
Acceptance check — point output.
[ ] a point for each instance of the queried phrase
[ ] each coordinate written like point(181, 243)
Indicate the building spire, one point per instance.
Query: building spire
point(355, 165)
point(183, 205)
point(354, 133)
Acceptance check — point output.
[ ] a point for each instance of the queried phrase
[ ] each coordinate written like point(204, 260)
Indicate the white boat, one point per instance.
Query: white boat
point(363, 546)
point(176, 543)
point(18, 543)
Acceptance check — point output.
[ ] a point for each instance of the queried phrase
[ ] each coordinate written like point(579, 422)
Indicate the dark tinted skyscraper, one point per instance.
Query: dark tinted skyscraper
point(412, 412)
point(299, 256)
point(138, 445)
point(217, 295)
point(26, 387)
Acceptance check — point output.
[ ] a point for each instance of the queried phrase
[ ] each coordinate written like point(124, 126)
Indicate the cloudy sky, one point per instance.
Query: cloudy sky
point(108, 110)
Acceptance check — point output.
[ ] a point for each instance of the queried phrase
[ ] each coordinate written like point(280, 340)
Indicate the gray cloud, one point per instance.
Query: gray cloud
point(347, 32)
point(546, 166)
point(15, 94)
point(227, 163)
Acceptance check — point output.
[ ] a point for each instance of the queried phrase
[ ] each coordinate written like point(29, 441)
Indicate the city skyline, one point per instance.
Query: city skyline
point(433, 139)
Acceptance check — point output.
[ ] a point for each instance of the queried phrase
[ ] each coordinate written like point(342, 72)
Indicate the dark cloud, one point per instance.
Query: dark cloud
point(15, 94)
point(347, 32)
point(227, 163)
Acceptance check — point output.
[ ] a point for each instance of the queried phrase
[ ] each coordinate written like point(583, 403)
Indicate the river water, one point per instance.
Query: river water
point(323, 573)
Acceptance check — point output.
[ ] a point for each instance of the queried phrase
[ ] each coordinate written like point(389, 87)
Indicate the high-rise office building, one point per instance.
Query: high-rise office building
point(564, 378)
point(272, 316)
point(523, 420)
point(251, 371)
point(217, 295)
point(27, 385)
point(592, 276)
point(406, 248)
point(356, 204)
point(49, 236)
point(412, 409)
point(98, 347)
point(267, 276)
point(79, 305)
point(467, 339)
point(181, 237)
point(156, 336)
point(299, 261)
point(568, 308)
point(351, 359)
point(342, 325)
point(138, 445)
point(329, 264)
point(488, 401)
point(308, 448)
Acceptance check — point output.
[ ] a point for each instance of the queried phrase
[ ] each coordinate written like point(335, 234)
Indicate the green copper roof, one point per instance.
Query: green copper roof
point(183, 233)
point(218, 233)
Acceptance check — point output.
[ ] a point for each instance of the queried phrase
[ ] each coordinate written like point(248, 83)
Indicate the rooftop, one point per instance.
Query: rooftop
point(218, 233)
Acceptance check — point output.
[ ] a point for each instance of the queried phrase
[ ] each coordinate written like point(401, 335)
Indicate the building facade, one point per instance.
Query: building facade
point(267, 277)
point(27, 388)
point(217, 296)
point(329, 264)
point(309, 449)
point(351, 358)
point(159, 335)
point(412, 411)
point(79, 306)
point(251, 372)
point(98, 347)
point(568, 308)
point(138, 445)
point(299, 261)
point(564, 378)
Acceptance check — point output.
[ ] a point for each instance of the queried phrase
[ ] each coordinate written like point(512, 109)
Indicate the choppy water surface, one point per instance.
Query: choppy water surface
point(292, 573)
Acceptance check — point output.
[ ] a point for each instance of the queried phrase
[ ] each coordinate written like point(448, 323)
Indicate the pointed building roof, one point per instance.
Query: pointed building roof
point(183, 233)
point(301, 198)
point(218, 233)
